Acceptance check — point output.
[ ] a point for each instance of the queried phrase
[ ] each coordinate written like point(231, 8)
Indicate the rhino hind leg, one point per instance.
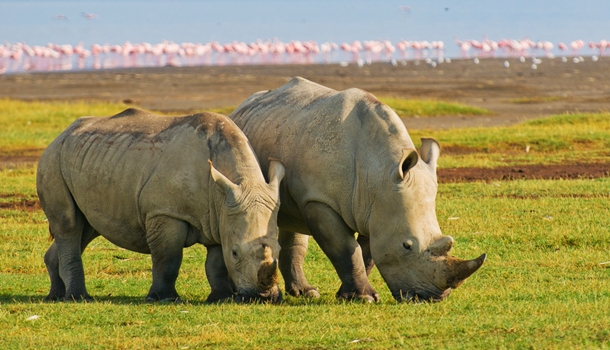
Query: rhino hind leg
point(63, 260)
point(166, 237)
point(294, 248)
point(221, 284)
point(58, 288)
point(338, 243)
point(51, 260)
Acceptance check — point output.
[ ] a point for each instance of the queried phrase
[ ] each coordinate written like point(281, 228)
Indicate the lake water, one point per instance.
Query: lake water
point(113, 21)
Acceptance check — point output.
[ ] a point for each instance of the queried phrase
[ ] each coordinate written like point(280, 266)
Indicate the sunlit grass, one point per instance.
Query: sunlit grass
point(222, 110)
point(430, 108)
point(567, 138)
point(544, 284)
point(26, 128)
point(536, 99)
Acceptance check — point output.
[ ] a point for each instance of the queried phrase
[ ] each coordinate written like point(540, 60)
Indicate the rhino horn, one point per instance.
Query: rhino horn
point(458, 270)
point(441, 246)
point(268, 275)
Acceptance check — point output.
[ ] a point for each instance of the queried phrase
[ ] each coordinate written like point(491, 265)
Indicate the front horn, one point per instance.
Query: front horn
point(458, 270)
point(268, 275)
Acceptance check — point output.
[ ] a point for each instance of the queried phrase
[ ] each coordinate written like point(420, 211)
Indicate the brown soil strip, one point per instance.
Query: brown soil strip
point(20, 203)
point(560, 171)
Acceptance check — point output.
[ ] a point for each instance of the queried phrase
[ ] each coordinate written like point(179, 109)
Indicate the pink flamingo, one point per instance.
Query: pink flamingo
point(88, 16)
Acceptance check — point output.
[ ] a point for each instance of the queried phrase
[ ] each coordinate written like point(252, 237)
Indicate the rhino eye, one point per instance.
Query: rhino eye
point(234, 253)
point(407, 245)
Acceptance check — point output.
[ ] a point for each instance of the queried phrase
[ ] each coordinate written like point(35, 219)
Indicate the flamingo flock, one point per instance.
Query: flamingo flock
point(525, 48)
point(21, 57)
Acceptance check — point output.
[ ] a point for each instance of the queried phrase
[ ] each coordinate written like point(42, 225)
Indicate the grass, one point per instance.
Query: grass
point(411, 108)
point(566, 138)
point(543, 285)
point(431, 108)
point(536, 99)
point(26, 128)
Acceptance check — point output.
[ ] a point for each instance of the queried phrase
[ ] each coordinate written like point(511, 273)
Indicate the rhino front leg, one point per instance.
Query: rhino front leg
point(51, 260)
point(215, 269)
point(365, 245)
point(294, 248)
point(166, 238)
point(338, 243)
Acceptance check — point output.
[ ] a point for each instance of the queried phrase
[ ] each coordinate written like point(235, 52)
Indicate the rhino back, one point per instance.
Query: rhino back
point(336, 146)
point(122, 169)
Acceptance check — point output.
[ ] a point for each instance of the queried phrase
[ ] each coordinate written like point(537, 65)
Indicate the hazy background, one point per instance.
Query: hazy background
point(115, 22)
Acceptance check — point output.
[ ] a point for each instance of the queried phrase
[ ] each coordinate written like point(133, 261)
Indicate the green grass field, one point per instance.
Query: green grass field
point(546, 283)
point(26, 128)
point(431, 108)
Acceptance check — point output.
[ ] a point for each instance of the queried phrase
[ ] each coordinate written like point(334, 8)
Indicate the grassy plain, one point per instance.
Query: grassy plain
point(431, 108)
point(566, 138)
point(414, 108)
point(26, 128)
point(546, 283)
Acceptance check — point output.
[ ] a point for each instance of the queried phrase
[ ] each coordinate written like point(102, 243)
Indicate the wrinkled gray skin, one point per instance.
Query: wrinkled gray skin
point(352, 167)
point(146, 183)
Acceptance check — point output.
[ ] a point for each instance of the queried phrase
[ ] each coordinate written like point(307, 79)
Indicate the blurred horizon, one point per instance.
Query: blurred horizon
point(39, 22)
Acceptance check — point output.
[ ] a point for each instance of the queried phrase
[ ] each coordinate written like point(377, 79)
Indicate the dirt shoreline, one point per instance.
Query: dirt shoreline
point(513, 94)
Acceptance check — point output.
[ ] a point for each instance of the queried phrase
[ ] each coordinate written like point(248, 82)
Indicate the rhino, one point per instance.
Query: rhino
point(351, 167)
point(155, 185)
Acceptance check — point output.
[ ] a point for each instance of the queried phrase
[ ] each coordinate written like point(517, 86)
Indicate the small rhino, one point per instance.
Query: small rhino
point(147, 184)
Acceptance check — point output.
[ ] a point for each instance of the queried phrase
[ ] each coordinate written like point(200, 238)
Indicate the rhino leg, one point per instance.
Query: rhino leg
point(338, 243)
point(365, 245)
point(166, 237)
point(67, 225)
point(294, 248)
point(215, 269)
point(51, 260)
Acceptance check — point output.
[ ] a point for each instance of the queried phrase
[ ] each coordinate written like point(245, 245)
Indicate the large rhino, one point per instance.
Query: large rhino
point(146, 183)
point(352, 167)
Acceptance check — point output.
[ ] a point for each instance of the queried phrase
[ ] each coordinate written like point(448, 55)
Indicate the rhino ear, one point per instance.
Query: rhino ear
point(430, 151)
point(225, 184)
point(276, 174)
point(407, 161)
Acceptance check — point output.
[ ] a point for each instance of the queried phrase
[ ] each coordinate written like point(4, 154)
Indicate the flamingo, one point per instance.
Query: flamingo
point(88, 16)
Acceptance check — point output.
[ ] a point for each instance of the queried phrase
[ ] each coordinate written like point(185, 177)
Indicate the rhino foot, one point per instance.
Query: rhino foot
point(311, 293)
point(368, 296)
point(74, 299)
point(55, 296)
point(307, 292)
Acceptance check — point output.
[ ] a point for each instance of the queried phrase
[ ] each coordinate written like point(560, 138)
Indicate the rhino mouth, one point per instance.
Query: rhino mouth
point(273, 296)
point(420, 296)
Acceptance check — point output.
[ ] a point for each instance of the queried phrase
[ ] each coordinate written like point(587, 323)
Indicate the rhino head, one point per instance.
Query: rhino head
point(248, 230)
point(407, 245)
